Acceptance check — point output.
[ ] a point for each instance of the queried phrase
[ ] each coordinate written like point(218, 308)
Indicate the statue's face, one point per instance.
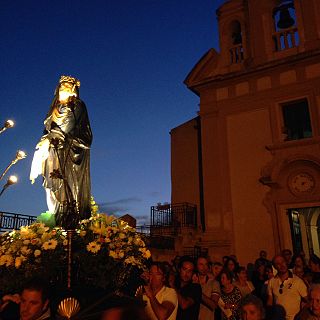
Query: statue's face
point(66, 90)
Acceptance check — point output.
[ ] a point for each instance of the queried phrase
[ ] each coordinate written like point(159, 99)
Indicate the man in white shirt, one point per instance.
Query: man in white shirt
point(286, 289)
point(162, 301)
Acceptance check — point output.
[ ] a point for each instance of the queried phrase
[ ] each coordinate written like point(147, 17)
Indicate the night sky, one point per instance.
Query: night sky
point(131, 57)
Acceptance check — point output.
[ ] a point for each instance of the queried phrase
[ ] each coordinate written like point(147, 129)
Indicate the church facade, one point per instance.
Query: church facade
point(250, 161)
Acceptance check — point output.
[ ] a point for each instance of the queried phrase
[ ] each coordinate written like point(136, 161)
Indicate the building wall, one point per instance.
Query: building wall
point(184, 163)
point(247, 133)
point(249, 168)
point(241, 135)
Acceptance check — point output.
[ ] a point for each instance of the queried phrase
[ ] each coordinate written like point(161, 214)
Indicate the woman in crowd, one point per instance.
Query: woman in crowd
point(259, 278)
point(298, 264)
point(230, 297)
point(232, 266)
point(246, 287)
point(264, 289)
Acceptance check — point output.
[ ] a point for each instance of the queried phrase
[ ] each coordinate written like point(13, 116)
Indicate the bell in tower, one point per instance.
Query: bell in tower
point(285, 19)
point(236, 37)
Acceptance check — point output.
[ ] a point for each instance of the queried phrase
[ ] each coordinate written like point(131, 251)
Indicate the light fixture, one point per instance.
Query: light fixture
point(8, 124)
point(11, 180)
point(19, 156)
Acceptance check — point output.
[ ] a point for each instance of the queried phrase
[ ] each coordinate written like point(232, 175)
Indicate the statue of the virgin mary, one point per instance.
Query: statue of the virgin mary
point(62, 155)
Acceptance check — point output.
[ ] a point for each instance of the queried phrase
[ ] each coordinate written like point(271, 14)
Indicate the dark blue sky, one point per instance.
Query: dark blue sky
point(131, 57)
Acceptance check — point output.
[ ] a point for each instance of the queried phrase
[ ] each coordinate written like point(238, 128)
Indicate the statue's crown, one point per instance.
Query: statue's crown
point(70, 79)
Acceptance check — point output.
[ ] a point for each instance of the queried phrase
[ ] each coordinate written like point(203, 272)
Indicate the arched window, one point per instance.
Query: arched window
point(235, 40)
point(285, 28)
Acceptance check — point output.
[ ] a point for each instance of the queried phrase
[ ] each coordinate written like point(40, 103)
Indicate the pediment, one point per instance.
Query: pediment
point(204, 69)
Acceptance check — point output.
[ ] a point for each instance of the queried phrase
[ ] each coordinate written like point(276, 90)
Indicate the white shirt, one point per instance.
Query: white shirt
point(288, 294)
point(165, 294)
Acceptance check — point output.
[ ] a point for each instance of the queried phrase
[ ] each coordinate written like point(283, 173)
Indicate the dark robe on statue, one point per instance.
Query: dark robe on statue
point(68, 129)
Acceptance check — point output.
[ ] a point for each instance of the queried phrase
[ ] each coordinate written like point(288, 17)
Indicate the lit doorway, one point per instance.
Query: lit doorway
point(305, 229)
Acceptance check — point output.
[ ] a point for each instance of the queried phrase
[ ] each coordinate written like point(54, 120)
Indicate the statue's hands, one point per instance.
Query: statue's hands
point(57, 139)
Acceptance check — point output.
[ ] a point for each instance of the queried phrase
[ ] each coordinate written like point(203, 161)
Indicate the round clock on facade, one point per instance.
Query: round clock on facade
point(301, 183)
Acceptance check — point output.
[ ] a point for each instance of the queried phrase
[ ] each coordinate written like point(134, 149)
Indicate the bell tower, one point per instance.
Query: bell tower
point(254, 32)
point(234, 29)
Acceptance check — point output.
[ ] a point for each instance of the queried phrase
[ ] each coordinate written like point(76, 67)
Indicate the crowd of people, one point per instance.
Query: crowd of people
point(285, 288)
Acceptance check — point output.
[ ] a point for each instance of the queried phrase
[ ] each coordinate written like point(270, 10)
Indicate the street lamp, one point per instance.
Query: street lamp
point(8, 124)
point(19, 156)
point(11, 180)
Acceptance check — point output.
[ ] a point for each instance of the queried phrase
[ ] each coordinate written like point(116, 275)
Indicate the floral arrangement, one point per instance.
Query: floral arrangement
point(106, 253)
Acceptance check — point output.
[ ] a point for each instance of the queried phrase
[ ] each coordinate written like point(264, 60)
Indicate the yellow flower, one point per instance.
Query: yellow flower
point(118, 254)
point(113, 254)
point(26, 233)
point(65, 242)
point(97, 228)
point(50, 244)
point(147, 254)
point(12, 233)
point(131, 260)
point(42, 229)
point(6, 260)
point(25, 251)
point(45, 237)
point(37, 253)
point(139, 242)
point(122, 235)
point(18, 261)
point(93, 247)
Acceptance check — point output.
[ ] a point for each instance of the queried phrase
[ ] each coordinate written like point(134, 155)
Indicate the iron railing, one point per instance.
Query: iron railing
point(174, 216)
point(13, 221)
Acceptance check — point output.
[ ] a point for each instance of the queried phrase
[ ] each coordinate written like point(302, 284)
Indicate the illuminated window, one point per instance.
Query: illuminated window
point(296, 120)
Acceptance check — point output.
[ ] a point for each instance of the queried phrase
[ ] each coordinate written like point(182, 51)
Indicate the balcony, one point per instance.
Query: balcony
point(172, 218)
point(167, 222)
